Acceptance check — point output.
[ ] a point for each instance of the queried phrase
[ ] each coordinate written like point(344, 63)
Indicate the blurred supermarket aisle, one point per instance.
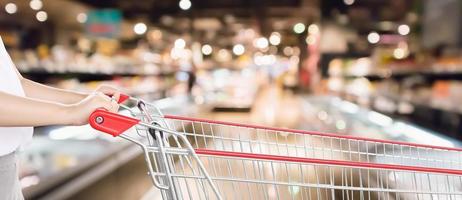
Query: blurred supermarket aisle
point(392, 72)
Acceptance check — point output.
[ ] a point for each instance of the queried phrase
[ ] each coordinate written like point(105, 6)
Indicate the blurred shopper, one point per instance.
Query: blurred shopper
point(25, 104)
point(191, 79)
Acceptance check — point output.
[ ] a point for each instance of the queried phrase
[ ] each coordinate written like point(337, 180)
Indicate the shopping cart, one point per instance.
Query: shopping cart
point(189, 158)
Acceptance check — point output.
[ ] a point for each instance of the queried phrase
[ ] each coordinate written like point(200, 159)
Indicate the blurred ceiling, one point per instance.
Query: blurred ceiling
point(26, 16)
point(221, 21)
point(263, 15)
point(367, 15)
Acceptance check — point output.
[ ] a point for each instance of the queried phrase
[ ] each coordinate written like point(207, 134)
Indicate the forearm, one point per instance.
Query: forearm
point(47, 93)
point(23, 111)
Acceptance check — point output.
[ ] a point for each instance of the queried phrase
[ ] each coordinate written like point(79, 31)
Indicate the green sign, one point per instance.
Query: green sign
point(104, 23)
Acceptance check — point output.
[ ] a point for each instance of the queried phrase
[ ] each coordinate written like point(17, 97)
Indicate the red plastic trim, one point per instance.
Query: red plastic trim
point(311, 133)
point(327, 162)
point(112, 123)
point(123, 98)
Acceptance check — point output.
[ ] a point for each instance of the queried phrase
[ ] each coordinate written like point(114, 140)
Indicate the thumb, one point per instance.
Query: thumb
point(107, 90)
point(116, 96)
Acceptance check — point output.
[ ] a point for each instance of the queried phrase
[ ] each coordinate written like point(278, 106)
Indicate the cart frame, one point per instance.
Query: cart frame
point(164, 146)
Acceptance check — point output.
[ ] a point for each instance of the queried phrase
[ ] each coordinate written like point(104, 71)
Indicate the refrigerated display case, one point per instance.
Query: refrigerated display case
point(229, 90)
point(332, 114)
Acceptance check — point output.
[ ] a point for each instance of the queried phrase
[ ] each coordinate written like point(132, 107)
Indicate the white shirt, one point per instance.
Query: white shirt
point(11, 137)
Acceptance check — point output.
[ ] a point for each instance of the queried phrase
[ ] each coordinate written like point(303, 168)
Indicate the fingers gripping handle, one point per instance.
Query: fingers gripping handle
point(111, 123)
point(122, 98)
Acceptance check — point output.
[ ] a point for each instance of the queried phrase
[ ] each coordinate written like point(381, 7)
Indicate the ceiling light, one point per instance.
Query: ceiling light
point(288, 51)
point(140, 28)
point(261, 43)
point(299, 28)
point(223, 55)
point(155, 35)
point(185, 4)
point(403, 29)
point(238, 49)
point(41, 16)
point(399, 53)
point(275, 38)
point(11, 8)
point(373, 37)
point(313, 29)
point(180, 43)
point(206, 49)
point(36, 4)
point(310, 40)
point(82, 18)
point(349, 2)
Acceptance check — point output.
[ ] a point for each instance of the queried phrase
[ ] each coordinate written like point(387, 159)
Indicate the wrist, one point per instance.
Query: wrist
point(80, 96)
point(66, 114)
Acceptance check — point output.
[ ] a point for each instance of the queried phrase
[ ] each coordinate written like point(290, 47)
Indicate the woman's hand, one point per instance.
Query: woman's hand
point(80, 111)
point(107, 89)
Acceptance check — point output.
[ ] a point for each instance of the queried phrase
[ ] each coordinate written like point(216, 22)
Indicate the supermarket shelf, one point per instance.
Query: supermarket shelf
point(430, 75)
point(41, 75)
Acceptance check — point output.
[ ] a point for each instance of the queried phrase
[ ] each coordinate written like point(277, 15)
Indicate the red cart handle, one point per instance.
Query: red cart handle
point(111, 123)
